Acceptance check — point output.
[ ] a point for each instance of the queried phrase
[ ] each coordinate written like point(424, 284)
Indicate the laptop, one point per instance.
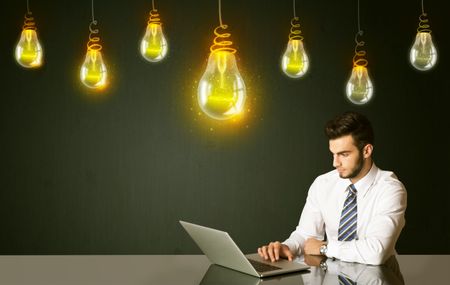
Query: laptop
point(220, 249)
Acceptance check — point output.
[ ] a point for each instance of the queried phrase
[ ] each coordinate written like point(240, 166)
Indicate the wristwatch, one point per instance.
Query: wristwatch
point(323, 265)
point(323, 249)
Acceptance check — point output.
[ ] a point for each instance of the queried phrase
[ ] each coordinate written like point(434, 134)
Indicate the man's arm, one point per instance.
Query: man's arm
point(310, 225)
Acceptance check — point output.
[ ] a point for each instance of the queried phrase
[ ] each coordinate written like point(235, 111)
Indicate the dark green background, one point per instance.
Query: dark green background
point(113, 175)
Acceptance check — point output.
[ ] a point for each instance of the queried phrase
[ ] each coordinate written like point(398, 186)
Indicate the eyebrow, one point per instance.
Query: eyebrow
point(341, 152)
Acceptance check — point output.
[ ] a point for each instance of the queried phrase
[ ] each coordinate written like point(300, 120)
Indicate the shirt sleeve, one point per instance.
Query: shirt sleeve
point(383, 231)
point(311, 224)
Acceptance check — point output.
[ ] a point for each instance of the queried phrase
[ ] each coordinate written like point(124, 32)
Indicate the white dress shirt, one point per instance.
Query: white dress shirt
point(381, 202)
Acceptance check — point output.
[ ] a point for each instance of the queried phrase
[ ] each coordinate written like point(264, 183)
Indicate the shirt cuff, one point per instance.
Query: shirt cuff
point(332, 249)
point(293, 247)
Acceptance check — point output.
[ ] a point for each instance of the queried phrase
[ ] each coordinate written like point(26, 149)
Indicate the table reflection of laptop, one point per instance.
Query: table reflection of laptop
point(222, 250)
point(218, 275)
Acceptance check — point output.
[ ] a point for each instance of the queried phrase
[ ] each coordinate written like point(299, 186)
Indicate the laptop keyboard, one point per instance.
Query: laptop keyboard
point(262, 267)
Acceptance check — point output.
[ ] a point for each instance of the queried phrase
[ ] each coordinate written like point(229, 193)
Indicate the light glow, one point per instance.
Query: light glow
point(154, 44)
point(93, 72)
point(221, 91)
point(295, 61)
point(359, 87)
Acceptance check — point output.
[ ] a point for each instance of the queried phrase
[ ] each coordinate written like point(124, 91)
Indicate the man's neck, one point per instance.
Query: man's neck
point(366, 168)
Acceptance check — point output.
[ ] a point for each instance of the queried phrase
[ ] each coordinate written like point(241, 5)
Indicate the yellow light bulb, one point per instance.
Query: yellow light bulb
point(29, 53)
point(295, 62)
point(359, 87)
point(221, 90)
point(154, 44)
point(93, 72)
point(423, 54)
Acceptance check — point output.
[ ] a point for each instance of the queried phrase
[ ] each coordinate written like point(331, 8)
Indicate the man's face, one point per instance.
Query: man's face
point(347, 158)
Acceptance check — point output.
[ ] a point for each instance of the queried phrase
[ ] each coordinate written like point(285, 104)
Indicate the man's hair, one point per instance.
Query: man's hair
point(351, 123)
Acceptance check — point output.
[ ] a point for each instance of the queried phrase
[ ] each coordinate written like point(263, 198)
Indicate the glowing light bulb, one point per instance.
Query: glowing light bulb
point(154, 44)
point(221, 91)
point(359, 87)
point(295, 62)
point(423, 54)
point(29, 53)
point(93, 72)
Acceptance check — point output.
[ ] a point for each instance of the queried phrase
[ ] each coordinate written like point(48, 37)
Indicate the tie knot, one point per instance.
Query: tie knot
point(352, 189)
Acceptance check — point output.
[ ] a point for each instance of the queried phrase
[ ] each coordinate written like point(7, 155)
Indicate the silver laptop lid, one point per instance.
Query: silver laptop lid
point(219, 247)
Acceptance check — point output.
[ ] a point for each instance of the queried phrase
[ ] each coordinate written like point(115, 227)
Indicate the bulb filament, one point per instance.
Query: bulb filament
point(424, 27)
point(220, 41)
point(295, 33)
point(154, 17)
point(29, 23)
point(94, 39)
point(358, 58)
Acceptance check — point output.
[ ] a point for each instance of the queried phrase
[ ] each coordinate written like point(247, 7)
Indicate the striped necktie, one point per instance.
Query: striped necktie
point(349, 216)
point(343, 280)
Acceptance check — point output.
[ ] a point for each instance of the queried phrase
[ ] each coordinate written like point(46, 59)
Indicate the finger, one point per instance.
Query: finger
point(264, 252)
point(271, 252)
point(288, 254)
point(276, 251)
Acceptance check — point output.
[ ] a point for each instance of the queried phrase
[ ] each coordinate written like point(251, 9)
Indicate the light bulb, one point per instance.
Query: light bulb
point(93, 72)
point(154, 44)
point(221, 90)
point(295, 62)
point(29, 52)
point(423, 54)
point(359, 87)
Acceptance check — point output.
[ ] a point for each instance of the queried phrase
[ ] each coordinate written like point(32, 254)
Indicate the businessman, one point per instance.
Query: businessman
point(354, 213)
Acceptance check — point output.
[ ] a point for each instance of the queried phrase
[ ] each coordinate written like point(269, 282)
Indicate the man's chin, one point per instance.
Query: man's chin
point(342, 175)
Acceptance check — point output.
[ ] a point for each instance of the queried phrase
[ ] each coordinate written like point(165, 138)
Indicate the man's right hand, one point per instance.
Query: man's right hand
point(274, 251)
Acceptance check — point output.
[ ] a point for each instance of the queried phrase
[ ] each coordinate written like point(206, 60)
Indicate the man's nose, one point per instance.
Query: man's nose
point(336, 161)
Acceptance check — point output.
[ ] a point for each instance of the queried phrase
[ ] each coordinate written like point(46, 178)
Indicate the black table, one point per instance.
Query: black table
point(196, 269)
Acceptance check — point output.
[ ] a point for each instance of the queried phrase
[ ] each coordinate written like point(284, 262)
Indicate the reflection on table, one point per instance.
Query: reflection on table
point(321, 272)
point(195, 270)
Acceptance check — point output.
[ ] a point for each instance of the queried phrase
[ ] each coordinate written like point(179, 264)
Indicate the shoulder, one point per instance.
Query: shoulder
point(389, 191)
point(388, 185)
point(388, 178)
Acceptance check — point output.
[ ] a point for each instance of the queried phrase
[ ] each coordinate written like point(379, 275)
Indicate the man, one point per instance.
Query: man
point(354, 213)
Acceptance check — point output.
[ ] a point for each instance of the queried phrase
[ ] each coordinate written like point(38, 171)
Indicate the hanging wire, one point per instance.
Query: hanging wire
point(220, 13)
point(94, 39)
point(359, 57)
point(28, 23)
point(92, 9)
point(154, 15)
point(295, 27)
point(221, 41)
point(295, 16)
point(424, 26)
point(359, 24)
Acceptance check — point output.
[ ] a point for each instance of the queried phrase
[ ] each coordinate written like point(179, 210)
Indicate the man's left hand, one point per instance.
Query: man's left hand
point(312, 246)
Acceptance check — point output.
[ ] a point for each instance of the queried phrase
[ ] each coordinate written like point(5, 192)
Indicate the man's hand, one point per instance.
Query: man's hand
point(314, 260)
point(312, 246)
point(274, 251)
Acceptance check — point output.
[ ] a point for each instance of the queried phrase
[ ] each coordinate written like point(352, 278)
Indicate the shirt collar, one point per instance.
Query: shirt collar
point(366, 182)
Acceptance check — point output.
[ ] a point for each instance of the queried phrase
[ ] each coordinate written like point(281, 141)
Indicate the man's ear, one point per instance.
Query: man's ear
point(367, 150)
